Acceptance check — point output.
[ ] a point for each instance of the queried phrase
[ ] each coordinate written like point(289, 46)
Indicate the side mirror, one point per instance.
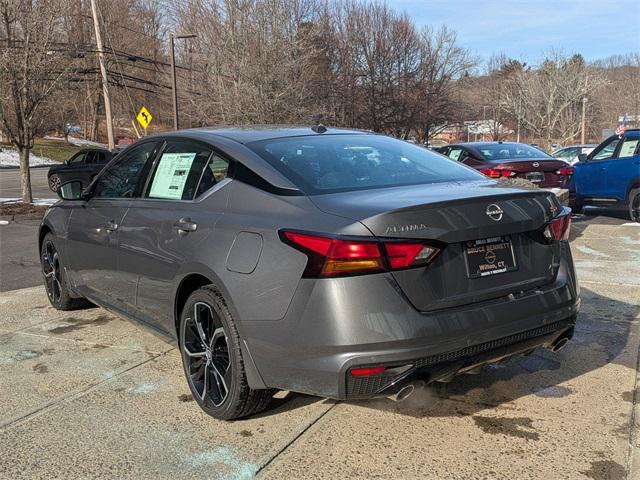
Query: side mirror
point(582, 157)
point(71, 190)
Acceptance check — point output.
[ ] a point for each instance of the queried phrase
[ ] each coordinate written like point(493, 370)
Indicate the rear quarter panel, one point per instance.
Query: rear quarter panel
point(266, 292)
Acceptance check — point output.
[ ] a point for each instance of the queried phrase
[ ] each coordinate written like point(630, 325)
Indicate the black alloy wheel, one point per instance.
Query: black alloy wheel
point(212, 358)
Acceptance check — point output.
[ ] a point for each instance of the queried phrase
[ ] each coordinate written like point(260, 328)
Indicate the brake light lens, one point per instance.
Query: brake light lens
point(559, 228)
point(565, 171)
point(497, 172)
point(331, 257)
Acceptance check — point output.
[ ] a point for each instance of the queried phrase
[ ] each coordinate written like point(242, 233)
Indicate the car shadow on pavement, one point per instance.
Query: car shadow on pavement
point(603, 336)
point(289, 401)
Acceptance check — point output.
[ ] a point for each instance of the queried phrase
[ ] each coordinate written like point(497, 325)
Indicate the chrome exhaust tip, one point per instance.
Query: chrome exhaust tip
point(559, 344)
point(405, 392)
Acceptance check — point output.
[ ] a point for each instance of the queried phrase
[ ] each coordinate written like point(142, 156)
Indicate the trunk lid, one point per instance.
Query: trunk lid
point(533, 165)
point(450, 215)
point(541, 172)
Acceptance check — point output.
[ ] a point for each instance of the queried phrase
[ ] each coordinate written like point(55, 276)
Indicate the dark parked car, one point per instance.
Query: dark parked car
point(83, 166)
point(332, 262)
point(512, 160)
point(610, 176)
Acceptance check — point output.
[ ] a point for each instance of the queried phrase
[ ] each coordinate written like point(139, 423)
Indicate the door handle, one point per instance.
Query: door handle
point(185, 225)
point(602, 169)
point(111, 226)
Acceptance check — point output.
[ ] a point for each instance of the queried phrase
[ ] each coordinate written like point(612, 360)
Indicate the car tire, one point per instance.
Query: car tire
point(54, 182)
point(212, 358)
point(633, 204)
point(54, 277)
point(577, 206)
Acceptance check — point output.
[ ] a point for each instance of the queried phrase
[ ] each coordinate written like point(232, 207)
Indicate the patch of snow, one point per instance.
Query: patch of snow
point(80, 142)
point(36, 201)
point(590, 251)
point(142, 389)
point(10, 158)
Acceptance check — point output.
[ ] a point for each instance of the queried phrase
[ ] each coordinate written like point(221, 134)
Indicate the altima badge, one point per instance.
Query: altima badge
point(494, 212)
point(535, 164)
point(406, 228)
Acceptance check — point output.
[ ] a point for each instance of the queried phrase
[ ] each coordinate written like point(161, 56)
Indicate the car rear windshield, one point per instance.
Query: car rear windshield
point(333, 163)
point(503, 151)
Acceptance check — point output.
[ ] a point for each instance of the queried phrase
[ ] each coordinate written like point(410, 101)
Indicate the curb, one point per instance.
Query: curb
point(23, 216)
point(17, 167)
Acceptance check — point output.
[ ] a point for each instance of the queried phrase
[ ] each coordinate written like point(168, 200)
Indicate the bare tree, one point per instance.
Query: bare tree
point(31, 68)
point(621, 95)
point(549, 98)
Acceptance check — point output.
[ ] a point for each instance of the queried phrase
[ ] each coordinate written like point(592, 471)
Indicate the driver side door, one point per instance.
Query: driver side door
point(591, 176)
point(93, 229)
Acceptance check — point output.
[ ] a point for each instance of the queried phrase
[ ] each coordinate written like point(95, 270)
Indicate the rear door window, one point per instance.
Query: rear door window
point(185, 170)
point(628, 147)
point(91, 157)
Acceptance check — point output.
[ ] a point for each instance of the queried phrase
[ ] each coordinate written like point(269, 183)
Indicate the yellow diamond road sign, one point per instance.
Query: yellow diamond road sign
point(144, 117)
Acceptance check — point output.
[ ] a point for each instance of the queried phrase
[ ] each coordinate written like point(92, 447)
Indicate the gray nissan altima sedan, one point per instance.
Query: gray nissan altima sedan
point(331, 262)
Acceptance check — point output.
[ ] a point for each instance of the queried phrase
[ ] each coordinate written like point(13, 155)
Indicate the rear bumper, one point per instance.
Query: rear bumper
point(334, 325)
point(443, 367)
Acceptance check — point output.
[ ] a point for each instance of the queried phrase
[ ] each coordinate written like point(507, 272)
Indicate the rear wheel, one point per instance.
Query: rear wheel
point(634, 205)
point(53, 275)
point(212, 359)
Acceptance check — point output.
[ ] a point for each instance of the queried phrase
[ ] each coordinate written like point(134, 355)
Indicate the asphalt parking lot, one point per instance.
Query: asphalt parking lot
point(85, 394)
point(10, 183)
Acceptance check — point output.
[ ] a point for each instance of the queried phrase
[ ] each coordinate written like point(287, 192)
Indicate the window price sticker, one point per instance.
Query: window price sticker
point(171, 175)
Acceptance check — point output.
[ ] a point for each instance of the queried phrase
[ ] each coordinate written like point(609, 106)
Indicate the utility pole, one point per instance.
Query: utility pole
point(583, 134)
point(519, 114)
point(103, 71)
point(174, 86)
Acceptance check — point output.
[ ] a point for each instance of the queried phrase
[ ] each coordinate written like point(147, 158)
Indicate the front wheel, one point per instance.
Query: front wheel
point(212, 359)
point(634, 205)
point(54, 182)
point(53, 274)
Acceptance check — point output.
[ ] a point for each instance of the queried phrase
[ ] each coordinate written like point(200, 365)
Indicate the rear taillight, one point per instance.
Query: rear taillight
point(559, 228)
point(497, 172)
point(409, 255)
point(333, 257)
point(565, 171)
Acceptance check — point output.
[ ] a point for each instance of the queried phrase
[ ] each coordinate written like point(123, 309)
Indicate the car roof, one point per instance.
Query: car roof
point(486, 144)
point(94, 149)
point(250, 134)
point(589, 145)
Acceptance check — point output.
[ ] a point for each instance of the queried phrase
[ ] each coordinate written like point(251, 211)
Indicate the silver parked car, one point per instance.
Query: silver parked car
point(570, 153)
point(332, 262)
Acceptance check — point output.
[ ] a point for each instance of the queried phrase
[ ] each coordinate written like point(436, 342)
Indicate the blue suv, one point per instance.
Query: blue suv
point(610, 175)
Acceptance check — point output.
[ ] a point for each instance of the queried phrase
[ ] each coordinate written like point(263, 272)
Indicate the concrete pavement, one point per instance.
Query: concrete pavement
point(84, 395)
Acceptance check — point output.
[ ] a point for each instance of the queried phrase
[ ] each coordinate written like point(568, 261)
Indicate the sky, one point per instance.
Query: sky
point(526, 29)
